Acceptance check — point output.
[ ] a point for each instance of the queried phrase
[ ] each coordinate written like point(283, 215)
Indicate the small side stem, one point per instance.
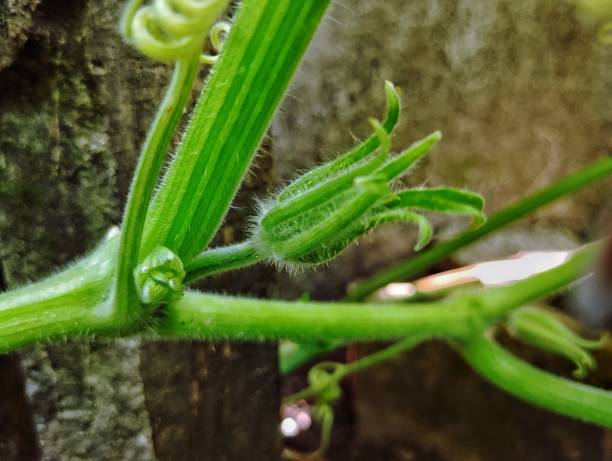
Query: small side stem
point(221, 259)
point(382, 355)
point(498, 301)
point(543, 389)
point(145, 178)
point(343, 370)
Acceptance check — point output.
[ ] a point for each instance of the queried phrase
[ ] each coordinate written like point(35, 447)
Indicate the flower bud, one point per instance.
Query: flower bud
point(543, 329)
point(322, 212)
point(159, 278)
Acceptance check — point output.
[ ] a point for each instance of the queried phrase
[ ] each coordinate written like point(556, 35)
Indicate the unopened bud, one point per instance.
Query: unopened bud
point(159, 278)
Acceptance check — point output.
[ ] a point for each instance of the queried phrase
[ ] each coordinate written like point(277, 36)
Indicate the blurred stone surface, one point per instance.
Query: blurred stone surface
point(521, 92)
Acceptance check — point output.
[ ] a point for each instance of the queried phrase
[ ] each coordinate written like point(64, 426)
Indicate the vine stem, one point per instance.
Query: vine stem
point(143, 184)
point(201, 315)
point(70, 303)
point(343, 370)
point(76, 303)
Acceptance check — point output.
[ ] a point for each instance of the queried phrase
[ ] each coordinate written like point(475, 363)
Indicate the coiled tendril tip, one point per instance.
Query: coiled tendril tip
point(170, 30)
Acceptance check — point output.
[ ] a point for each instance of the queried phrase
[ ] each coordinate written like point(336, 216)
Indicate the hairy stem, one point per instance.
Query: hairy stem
point(77, 302)
point(72, 302)
point(200, 315)
point(221, 259)
point(487, 305)
point(265, 44)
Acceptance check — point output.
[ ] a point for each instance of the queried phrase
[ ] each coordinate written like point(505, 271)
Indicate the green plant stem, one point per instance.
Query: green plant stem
point(418, 263)
point(264, 47)
point(292, 356)
point(495, 302)
point(76, 302)
point(201, 315)
point(486, 305)
point(543, 389)
point(221, 259)
point(382, 355)
point(70, 303)
point(145, 178)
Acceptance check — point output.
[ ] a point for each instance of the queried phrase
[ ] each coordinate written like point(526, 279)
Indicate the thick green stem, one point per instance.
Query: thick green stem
point(261, 53)
point(200, 315)
point(543, 389)
point(70, 303)
point(149, 165)
point(221, 259)
point(77, 302)
point(417, 264)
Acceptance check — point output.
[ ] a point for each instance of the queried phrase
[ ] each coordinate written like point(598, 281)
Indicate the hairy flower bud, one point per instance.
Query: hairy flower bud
point(322, 212)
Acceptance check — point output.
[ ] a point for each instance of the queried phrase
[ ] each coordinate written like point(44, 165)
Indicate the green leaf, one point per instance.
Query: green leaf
point(541, 328)
point(444, 200)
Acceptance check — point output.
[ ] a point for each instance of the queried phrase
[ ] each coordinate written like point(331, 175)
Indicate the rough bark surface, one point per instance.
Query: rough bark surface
point(75, 103)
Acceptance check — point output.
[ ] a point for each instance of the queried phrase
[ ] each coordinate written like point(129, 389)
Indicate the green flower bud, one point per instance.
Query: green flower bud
point(322, 212)
point(543, 329)
point(159, 278)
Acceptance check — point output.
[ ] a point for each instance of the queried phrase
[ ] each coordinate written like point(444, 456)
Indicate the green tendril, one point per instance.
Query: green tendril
point(169, 30)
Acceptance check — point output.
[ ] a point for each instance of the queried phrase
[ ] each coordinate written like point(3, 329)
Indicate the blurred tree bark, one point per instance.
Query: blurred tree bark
point(75, 103)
